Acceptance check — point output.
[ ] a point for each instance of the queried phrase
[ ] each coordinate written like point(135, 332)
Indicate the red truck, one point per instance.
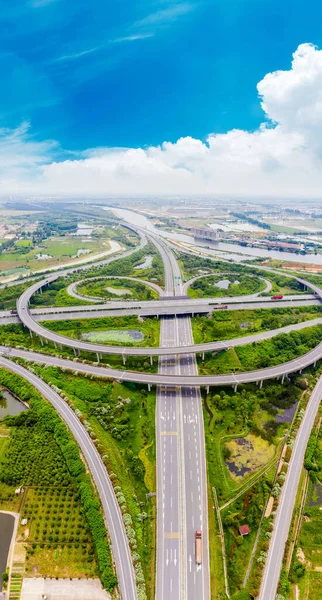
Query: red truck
point(198, 547)
point(277, 297)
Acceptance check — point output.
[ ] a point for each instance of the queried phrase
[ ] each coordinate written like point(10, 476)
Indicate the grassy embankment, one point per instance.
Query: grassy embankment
point(17, 336)
point(122, 419)
point(279, 349)
point(228, 324)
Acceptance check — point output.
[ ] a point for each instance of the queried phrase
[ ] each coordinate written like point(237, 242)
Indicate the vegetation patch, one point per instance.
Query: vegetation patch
point(121, 417)
point(42, 453)
point(112, 288)
point(226, 285)
point(258, 355)
point(244, 455)
point(129, 330)
point(228, 324)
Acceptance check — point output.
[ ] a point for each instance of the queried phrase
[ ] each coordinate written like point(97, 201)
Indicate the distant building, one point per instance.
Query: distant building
point(205, 234)
point(244, 530)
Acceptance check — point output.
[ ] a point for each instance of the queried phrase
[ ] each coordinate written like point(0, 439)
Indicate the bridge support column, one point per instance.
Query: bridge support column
point(314, 365)
point(235, 387)
point(207, 389)
point(261, 385)
point(41, 341)
point(149, 387)
point(124, 359)
point(74, 351)
point(30, 333)
point(97, 356)
point(60, 346)
point(203, 356)
point(55, 344)
point(301, 371)
point(151, 360)
point(283, 377)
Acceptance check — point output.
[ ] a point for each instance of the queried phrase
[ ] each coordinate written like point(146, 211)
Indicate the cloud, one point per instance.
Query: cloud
point(283, 157)
point(166, 15)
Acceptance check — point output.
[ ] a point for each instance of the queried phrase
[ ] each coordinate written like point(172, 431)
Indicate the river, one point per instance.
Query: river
point(7, 523)
point(226, 250)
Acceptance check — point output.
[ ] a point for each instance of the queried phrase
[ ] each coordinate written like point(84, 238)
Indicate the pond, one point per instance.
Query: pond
point(9, 405)
point(123, 336)
point(147, 263)
point(118, 291)
point(287, 415)
point(7, 523)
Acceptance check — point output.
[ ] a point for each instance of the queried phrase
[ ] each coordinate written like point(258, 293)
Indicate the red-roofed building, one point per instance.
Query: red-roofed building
point(244, 530)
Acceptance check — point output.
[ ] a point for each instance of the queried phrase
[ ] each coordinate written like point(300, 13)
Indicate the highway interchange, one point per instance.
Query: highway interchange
point(181, 468)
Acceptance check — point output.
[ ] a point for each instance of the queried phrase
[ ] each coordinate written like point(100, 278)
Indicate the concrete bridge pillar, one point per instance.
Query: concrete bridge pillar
point(151, 360)
point(301, 371)
point(124, 359)
point(149, 387)
point(235, 387)
point(74, 351)
point(203, 356)
point(97, 356)
point(41, 340)
point(261, 385)
point(283, 379)
point(314, 364)
point(30, 333)
point(55, 344)
point(207, 389)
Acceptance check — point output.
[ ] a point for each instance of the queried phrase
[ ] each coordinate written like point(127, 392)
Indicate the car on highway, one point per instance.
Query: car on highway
point(278, 297)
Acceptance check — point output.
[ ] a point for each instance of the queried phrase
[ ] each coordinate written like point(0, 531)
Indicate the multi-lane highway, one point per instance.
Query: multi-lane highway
point(181, 468)
point(112, 513)
point(181, 472)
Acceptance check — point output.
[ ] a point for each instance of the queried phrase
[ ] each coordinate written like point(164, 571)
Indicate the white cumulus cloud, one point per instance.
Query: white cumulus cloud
point(283, 157)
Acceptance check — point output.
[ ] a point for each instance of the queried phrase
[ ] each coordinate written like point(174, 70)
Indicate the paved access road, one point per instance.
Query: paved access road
point(112, 513)
point(287, 500)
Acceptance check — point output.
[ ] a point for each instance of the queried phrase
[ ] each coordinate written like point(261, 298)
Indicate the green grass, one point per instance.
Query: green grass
point(58, 541)
point(280, 349)
point(228, 324)
point(17, 336)
point(97, 327)
point(104, 288)
point(206, 288)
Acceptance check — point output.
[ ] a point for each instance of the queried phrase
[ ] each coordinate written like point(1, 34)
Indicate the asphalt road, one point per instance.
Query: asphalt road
point(181, 472)
point(72, 288)
point(287, 500)
point(28, 320)
point(112, 513)
point(231, 379)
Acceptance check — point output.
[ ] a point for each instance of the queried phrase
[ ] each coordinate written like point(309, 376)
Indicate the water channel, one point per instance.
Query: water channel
point(233, 251)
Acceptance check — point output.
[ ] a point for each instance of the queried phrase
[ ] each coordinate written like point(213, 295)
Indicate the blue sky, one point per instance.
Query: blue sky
point(83, 80)
point(124, 73)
